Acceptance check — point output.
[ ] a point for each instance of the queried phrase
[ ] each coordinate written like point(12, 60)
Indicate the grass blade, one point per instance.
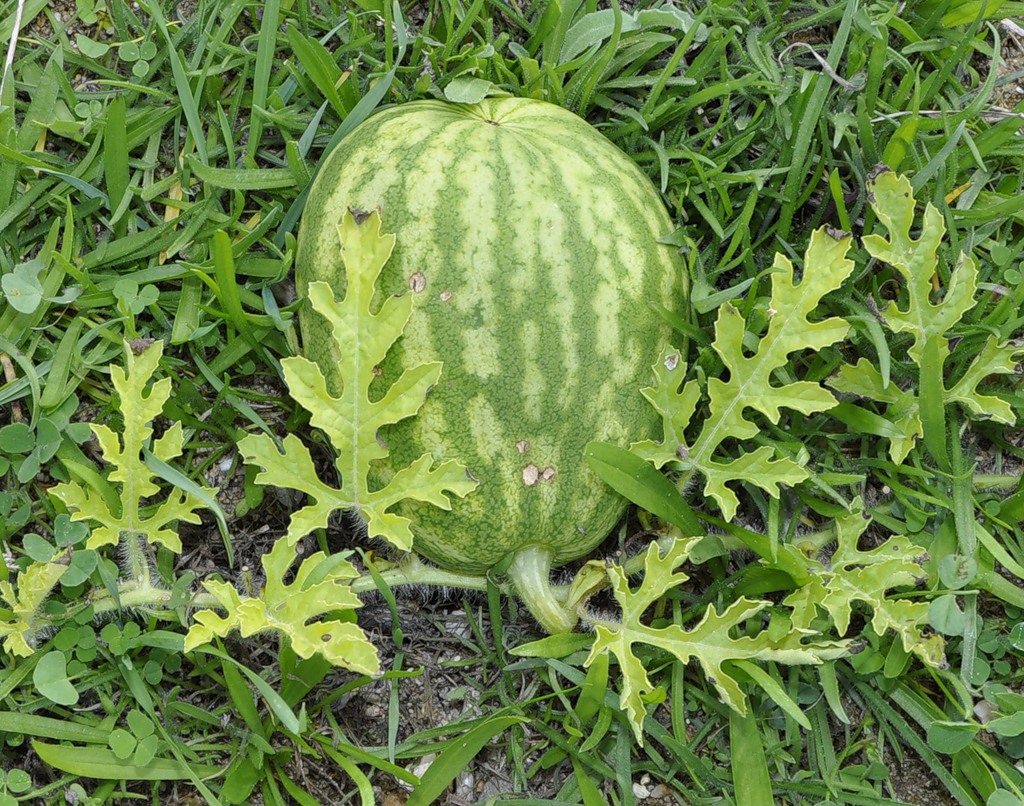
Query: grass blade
point(115, 161)
point(243, 178)
point(750, 767)
point(261, 77)
point(46, 727)
point(808, 115)
point(97, 762)
point(456, 758)
point(181, 84)
point(637, 480)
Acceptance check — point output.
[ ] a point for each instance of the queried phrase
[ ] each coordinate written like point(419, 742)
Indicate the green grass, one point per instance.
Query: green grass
point(153, 170)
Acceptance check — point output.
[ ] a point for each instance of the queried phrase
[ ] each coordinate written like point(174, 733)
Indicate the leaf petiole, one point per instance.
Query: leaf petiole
point(411, 570)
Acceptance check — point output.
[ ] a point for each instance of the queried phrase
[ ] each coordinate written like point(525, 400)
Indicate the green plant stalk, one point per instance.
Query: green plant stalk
point(136, 563)
point(530, 573)
point(530, 569)
point(131, 595)
point(145, 596)
point(413, 571)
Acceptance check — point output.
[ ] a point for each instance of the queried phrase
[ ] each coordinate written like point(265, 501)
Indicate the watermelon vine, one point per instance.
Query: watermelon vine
point(708, 430)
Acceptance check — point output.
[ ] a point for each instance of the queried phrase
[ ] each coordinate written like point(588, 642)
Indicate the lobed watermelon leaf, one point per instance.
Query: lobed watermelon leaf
point(834, 585)
point(33, 586)
point(676, 402)
point(893, 202)
point(361, 339)
point(927, 322)
point(853, 575)
point(903, 409)
point(750, 384)
point(710, 642)
point(320, 588)
point(994, 359)
point(125, 521)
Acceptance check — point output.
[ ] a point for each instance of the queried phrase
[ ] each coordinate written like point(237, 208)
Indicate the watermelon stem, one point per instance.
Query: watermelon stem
point(411, 570)
point(530, 573)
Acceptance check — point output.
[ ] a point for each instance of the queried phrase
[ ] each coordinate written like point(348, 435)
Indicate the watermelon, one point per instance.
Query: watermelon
point(531, 245)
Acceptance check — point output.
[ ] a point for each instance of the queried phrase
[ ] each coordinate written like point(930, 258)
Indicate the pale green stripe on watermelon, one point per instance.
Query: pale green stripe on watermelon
point(536, 242)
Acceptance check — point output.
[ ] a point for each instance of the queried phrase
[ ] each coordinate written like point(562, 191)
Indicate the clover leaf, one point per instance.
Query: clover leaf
point(22, 287)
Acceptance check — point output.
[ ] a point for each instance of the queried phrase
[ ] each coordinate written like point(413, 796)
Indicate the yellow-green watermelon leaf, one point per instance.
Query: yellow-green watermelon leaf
point(25, 598)
point(867, 576)
point(140, 403)
point(994, 359)
point(750, 384)
point(915, 258)
point(676, 402)
point(360, 338)
point(304, 610)
point(710, 642)
point(918, 411)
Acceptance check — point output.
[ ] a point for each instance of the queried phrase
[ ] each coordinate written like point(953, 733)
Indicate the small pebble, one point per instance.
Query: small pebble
point(423, 765)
